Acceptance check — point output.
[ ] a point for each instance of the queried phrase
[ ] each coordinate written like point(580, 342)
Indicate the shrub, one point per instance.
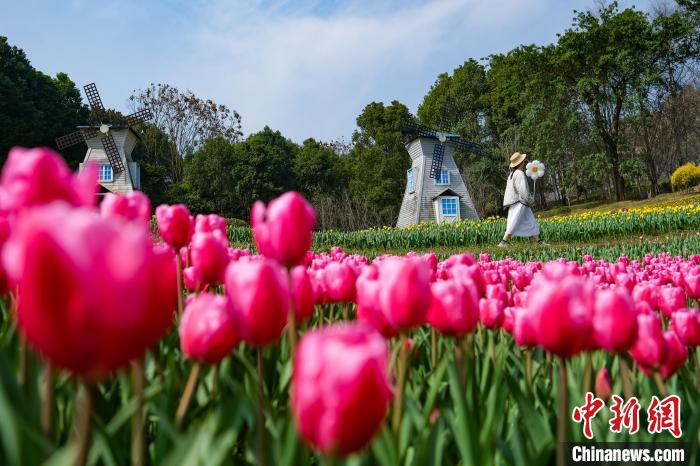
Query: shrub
point(685, 176)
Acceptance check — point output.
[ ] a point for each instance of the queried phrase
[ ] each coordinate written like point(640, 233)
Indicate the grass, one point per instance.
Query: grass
point(607, 206)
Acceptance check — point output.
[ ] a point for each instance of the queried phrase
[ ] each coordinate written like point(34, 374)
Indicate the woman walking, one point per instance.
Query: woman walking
point(518, 199)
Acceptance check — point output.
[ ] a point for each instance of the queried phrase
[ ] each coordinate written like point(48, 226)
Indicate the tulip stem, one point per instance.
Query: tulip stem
point(587, 374)
point(401, 383)
point(528, 367)
point(459, 360)
point(138, 443)
point(433, 348)
point(625, 376)
point(292, 329)
point(214, 381)
point(22, 363)
point(49, 401)
point(346, 312)
point(262, 454)
point(187, 394)
point(321, 309)
point(663, 391)
point(563, 414)
point(83, 424)
point(180, 300)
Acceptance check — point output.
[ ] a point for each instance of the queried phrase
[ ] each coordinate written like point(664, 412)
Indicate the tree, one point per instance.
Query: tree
point(376, 166)
point(605, 58)
point(35, 108)
point(187, 120)
point(457, 100)
point(315, 169)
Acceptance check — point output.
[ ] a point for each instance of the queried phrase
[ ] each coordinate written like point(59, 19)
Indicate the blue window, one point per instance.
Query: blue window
point(105, 173)
point(409, 176)
point(448, 206)
point(443, 177)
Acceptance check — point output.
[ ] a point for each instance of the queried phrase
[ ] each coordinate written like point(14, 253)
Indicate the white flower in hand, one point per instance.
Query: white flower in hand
point(534, 169)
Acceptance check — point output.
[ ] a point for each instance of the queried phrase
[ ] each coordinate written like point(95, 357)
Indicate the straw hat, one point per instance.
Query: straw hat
point(516, 159)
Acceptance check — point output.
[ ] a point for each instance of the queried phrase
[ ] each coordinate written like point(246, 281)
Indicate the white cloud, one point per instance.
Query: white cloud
point(309, 73)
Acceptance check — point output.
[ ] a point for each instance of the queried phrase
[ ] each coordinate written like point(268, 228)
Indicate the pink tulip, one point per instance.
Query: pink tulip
point(32, 177)
point(469, 274)
point(614, 320)
point(95, 293)
point(508, 319)
point(562, 309)
point(210, 223)
point(207, 329)
point(650, 349)
point(404, 291)
point(491, 312)
point(259, 296)
point(302, 293)
point(340, 390)
point(646, 293)
point(284, 229)
point(193, 279)
point(686, 324)
point(454, 308)
point(671, 299)
point(131, 206)
point(367, 300)
point(676, 355)
point(174, 224)
point(603, 386)
point(209, 254)
point(691, 282)
point(524, 327)
point(340, 279)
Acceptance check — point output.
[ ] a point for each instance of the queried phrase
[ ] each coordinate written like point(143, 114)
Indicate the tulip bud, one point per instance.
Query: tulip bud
point(686, 324)
point(207, 331)
point(671, 299)
point(210, 223)
point(650, 349)
point(340, 389)
point(676, 355)
point(404, 292)
point(562, 308)
point(210, 256)
point(131, 206)
point(259, 297)
point(284, 229)
point(340, 279)
point(95, 293)
point(302, 293)
point(454, 308)
point(603, 386)
point(491, 312)
point(174, 224)
point(614, 320)
point(33, 177)
point(367, 300)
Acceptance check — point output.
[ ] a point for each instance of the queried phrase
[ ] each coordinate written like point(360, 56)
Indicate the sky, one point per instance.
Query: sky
point(304, 67)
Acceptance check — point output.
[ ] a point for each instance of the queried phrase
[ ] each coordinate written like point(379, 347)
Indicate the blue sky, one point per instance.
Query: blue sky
point(305, 67)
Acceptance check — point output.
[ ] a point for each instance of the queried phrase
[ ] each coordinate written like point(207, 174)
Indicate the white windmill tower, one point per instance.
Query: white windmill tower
point(435, 190)
point(110, 146)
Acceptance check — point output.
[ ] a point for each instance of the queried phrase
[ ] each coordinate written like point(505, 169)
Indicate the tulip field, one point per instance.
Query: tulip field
point(123, 343)
point(586, 226)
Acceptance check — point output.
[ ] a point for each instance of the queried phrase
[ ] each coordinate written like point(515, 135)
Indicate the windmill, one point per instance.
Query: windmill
point(435, 190)
point(118, 173)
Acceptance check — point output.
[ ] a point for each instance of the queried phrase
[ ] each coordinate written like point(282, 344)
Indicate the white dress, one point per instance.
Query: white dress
point(521, 220)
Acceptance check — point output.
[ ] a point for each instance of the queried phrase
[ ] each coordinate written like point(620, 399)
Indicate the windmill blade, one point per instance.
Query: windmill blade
point(420, 130)
point(112, 153)
point(138, 117)
point(76, 137)
point(465, 145)
point(70, 139)
point(93, 98)
point(436, 162)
